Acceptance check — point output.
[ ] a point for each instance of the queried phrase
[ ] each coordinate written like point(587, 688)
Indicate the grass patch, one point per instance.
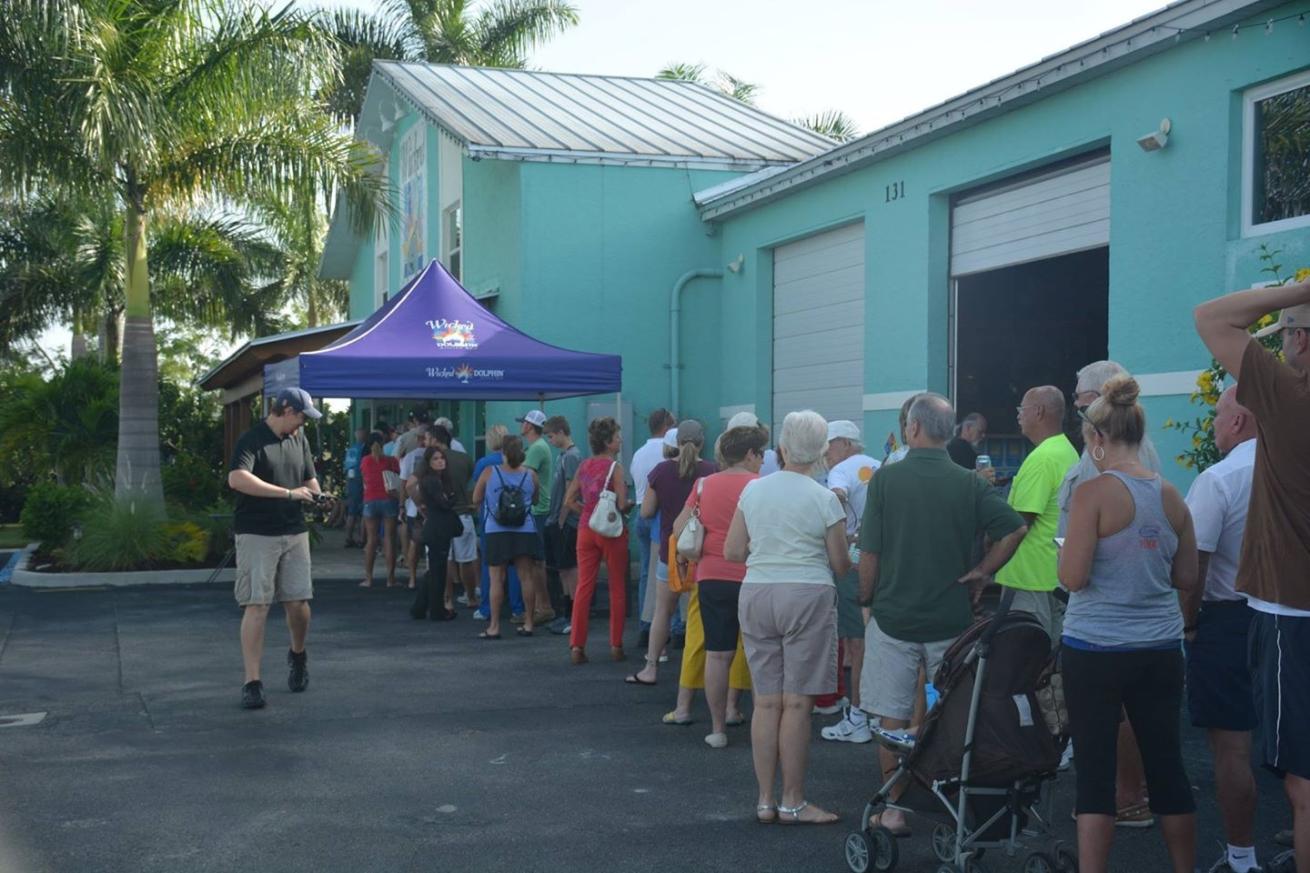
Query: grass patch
point(11, 536)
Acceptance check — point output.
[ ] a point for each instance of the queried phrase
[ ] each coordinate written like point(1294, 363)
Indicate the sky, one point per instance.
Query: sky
point(877, 61)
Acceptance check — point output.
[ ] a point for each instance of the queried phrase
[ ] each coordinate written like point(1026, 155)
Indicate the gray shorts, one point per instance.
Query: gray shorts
point(464, 548)
point(272, 568)
point(1046, 607)
point(789, 630)
point(890, 681)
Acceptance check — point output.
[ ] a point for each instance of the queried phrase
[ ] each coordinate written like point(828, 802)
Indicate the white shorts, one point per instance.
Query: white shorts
point(464, 548)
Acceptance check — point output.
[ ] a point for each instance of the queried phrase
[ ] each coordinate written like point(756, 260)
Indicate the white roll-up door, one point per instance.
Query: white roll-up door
point(818, 325)
point(1056, 213)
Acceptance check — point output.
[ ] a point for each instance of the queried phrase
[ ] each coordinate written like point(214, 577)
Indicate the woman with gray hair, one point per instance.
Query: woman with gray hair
point(791, 533)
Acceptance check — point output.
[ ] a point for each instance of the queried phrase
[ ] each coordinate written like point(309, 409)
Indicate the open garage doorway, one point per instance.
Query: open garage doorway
point(1026, 325)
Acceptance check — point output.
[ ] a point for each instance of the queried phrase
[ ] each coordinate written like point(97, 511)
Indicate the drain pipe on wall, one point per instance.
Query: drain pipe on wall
point(675, 312)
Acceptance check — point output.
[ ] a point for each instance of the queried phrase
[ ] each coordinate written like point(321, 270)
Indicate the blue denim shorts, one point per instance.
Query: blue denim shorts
point(386, 508)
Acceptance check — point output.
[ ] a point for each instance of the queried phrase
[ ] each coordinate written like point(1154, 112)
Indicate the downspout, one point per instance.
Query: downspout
point(675, 312)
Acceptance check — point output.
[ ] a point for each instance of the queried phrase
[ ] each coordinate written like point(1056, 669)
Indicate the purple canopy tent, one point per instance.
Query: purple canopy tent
point(433, 340)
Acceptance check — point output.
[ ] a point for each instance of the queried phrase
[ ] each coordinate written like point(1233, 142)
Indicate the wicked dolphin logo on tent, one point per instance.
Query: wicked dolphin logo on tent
point(453, 334)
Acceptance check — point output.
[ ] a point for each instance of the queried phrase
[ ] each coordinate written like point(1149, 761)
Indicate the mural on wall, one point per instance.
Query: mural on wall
point(413, 195)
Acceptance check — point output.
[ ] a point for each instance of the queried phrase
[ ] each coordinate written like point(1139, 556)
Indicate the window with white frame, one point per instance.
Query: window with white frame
point(1276, 156)
point(381, 257)
point(414, 201)
point(452, 239)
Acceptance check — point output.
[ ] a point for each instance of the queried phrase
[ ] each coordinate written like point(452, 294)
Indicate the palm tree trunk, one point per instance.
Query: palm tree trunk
point(111, 335)
point(78, 346)
point(137, 474)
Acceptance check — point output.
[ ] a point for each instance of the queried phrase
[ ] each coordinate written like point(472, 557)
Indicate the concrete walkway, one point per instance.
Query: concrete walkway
point(416, 748)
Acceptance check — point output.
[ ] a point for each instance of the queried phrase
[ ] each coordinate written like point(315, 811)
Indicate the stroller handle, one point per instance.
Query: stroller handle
point(1007, 601)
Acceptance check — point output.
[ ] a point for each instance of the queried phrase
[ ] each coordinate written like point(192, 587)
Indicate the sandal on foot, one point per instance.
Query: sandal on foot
point(486, 636)
point(736, 720)
point(766, 813)
point(672, 718)
point(875, 821)
point(795, 813)
point(577, 656)
point(635, 679)
point(522, 632)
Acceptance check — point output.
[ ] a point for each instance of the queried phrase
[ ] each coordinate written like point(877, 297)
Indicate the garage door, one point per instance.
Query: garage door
point(818, 325)
point(1057, 212)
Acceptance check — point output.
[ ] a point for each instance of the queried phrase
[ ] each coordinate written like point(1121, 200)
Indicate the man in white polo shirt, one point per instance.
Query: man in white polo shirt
point(1217, 622)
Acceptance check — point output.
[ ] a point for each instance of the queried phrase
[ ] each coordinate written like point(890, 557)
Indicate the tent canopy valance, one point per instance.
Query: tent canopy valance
point(433, 340)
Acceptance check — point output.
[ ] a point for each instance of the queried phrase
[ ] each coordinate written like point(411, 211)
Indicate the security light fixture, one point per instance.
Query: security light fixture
point(1156, 139)
point(736, 264)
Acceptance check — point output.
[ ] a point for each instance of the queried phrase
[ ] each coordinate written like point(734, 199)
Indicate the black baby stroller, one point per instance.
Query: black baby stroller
point(978, 763)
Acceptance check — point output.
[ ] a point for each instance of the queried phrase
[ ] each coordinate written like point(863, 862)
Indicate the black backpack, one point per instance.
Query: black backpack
point(511, 504)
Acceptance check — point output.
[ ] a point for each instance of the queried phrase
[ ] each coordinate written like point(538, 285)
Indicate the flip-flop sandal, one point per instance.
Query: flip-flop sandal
point(522, 632)
point(671, 718)
point(736, 722)
point(486, 636)
point(635, 679)
point(795, 813)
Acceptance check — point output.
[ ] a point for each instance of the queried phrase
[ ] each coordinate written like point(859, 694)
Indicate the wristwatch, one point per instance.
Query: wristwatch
point(288, 490)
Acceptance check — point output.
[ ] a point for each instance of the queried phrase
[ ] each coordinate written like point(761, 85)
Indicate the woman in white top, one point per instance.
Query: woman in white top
point(791, 533)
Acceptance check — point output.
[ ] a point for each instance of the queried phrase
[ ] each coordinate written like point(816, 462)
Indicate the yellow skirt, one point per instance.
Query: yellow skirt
point(693, 652)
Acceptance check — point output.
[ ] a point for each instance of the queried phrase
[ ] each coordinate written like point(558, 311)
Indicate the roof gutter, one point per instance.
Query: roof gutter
point(1186, 20)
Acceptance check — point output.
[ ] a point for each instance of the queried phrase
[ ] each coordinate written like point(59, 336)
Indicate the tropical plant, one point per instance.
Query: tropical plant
point(64, 425)
point(168, 104)
point(834, 124)
point(120, 534)
point(51, 511)
point(1202, 452)
point(499, 33)
point(724, 82)
point(296, 230)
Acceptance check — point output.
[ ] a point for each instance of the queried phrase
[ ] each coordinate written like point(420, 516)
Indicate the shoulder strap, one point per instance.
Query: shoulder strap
point(498, 476)
point(608, 476)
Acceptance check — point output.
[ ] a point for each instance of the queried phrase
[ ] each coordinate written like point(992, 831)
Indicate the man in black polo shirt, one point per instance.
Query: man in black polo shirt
point(272, 472)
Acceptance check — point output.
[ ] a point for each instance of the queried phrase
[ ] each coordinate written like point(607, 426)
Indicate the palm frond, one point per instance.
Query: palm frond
point(510, 29)
point(738, 89)
point(683, 73)
point(833, 123)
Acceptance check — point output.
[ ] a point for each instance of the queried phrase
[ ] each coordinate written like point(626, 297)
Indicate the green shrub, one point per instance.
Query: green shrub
point(50, 512)
point(121, 535)
point(191, 481)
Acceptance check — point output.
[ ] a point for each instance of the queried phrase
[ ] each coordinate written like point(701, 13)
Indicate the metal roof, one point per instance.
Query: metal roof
point(541, 116)
point(252, 356)
point(1181, 21)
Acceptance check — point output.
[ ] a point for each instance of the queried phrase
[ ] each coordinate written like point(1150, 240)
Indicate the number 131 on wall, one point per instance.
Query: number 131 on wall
point(895, 191)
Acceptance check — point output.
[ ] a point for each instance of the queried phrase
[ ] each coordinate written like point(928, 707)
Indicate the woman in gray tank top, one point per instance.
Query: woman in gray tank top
point(1129, 549)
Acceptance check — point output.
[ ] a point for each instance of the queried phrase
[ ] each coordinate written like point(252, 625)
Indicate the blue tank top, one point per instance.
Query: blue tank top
point(1129, 602)
point(497, 480)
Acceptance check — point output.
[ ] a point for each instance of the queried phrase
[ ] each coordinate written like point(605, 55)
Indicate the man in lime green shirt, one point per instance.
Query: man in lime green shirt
point(1035, 494)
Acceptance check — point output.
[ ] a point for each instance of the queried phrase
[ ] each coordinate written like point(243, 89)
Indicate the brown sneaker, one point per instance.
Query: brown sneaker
point(616, 654)
point(543, 616)
point(577, 655)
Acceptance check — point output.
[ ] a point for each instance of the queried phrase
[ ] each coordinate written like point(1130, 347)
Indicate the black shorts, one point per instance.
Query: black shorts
point(1218, 680)
point(562, 545)
point(502, 548)
point(1280, 667)
point(539, 520)
point(718, 614)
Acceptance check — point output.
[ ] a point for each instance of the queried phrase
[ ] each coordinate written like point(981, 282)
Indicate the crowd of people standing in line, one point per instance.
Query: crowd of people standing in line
point(832, 557)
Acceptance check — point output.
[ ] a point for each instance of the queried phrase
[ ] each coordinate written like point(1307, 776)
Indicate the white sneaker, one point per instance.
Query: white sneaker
point(716, 741)
point(834, 709)
point(1066, 760)
point(848, 730)
point(462, 599)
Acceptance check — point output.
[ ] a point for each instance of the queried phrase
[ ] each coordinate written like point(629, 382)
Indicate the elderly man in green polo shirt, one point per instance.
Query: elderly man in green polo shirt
point(921, 519)
point(1035, 494)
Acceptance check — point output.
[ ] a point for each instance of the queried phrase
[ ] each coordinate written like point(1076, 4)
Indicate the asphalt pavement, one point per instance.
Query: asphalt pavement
point(416, 748)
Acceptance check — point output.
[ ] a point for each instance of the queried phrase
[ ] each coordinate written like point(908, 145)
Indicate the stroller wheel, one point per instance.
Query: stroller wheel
point(943, 843)
point(1066, 859)
point(883, 849)
point(857, 852)
point(1039, 862)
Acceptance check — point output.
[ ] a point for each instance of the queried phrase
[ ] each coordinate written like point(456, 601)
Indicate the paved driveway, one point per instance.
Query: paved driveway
point(417, 747)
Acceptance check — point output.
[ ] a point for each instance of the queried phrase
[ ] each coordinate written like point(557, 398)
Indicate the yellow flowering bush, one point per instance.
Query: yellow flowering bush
point(1210, 384)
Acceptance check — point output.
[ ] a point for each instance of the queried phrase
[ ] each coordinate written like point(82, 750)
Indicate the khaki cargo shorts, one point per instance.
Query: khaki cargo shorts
point(273, 568)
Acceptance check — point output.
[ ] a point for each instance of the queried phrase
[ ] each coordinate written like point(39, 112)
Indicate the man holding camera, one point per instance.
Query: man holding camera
point(272, 472)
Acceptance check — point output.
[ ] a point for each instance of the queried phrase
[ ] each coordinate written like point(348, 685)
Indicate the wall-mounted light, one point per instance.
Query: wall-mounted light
point(1156, 139)
point(737, 263)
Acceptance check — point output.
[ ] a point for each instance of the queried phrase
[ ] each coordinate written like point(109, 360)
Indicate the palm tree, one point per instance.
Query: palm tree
point(833, 123)
point(296, 231)
point(499, 33)
point(723, 82)
point(168, 103)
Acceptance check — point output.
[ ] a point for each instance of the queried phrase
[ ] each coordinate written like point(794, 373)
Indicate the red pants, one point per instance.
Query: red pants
point(591, 548)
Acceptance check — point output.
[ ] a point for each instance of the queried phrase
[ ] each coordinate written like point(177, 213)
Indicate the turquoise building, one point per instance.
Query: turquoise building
point(1075, 209)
